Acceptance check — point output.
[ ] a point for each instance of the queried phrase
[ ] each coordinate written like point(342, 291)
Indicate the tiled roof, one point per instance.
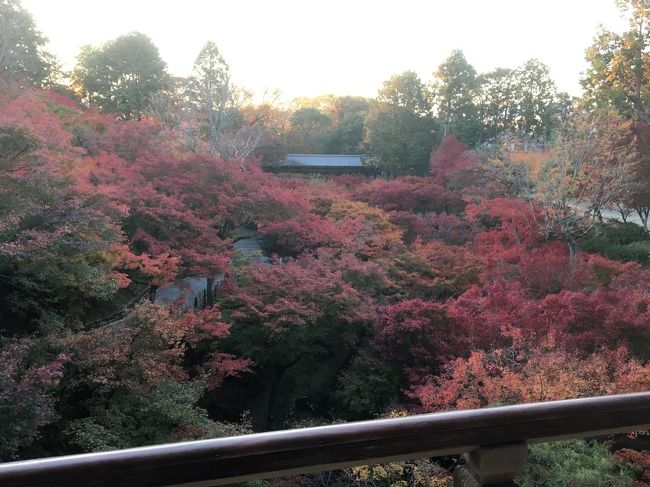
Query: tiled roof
point(324, 160)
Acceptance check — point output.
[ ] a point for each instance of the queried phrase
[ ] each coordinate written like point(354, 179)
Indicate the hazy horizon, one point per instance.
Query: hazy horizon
point(342, 48)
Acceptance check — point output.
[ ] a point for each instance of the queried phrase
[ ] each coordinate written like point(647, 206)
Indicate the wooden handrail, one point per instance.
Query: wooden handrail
point(265, 455)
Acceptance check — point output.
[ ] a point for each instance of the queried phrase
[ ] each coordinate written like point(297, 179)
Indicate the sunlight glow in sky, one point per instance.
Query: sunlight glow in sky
point(314, 47)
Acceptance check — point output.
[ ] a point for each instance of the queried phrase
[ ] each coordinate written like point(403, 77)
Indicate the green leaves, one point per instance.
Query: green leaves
point(167, 413)
point(22, 54)
point(574, 463)
point(454, 91)
point(400, 128)
point(122, 75)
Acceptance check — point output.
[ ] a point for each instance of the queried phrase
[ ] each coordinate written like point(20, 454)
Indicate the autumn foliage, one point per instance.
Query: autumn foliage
point(522, 373)
point(157, 284)
point(421, 292)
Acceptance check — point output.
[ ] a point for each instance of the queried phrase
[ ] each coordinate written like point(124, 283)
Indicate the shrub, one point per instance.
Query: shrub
point(364, 389)
point(575, 463)
point(619, 241)
point(623, 233)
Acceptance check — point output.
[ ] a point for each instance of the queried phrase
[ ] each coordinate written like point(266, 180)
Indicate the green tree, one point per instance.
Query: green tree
point(349, 116)
point(122, 75)
point(454, 90)
point(537, 100)
point(22, 53)
point(407, 91)
point(400, 130)
point(335, 107)
point(344, 106)
point(365, 388)
point(309, 132)
point(348, 134)
point(210, 88)
point(618, 75)
point(496, 102)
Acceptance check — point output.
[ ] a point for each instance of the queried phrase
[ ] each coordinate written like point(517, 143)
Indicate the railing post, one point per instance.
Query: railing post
point(495, 465)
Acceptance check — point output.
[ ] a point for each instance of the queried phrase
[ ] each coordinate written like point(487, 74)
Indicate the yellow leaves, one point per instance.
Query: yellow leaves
point(361, 473)
point(376, 473)
point(370, 227)
point(418, 473)
point(445, 481)
point(395, 413)
point(533, 161)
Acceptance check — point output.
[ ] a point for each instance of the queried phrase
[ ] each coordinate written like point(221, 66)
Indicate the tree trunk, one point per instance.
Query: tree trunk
point(209, 293)
point(280, 370)
point(226, 228)
point(273, 395)
point(644, 213)
point(152, 292)
point(623, 211)
point(573, 251)
point(598, 214)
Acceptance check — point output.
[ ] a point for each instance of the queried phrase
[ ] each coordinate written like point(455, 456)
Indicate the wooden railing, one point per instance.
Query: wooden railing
point(493, 440)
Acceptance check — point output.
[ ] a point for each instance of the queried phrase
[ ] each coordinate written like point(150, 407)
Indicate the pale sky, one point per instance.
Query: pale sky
point(314, 47)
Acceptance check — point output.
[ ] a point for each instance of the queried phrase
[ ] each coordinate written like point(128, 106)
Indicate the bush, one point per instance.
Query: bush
point(575, 463)
point(365, 388)
point(618, 241)
point(623, 233)
point(636, 251)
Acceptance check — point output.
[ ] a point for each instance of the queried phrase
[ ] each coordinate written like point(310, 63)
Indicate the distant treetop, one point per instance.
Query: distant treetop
point(22, 53)
point(122, 75)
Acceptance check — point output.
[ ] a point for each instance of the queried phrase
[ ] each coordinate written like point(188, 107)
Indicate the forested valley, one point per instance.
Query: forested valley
point(500, 256)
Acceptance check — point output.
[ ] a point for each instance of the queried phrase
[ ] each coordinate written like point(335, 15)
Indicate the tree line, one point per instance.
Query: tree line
point(400, 127)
